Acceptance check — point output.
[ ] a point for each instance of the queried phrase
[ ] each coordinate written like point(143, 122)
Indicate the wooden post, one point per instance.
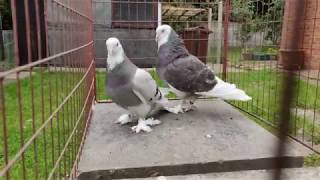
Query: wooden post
point(159, 14)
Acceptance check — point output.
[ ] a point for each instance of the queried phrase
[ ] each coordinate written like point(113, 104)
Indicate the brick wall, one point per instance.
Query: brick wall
point(309, 29)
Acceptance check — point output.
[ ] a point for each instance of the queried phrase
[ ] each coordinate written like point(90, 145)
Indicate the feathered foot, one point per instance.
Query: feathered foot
point(145, 125)
point(124, 119)
point(185, 106)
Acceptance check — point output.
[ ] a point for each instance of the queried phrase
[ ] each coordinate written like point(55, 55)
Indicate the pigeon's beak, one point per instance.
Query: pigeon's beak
point(157, 38)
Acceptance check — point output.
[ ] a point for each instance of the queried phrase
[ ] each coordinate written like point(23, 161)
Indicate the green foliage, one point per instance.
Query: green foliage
point(263, 50)
point(312, 160)
point(274, 14)
point(243, 13)
point(258, 16)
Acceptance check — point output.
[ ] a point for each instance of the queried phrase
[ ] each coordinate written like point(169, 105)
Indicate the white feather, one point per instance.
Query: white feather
point(115, 53)
point(226, 91)
point(146, 86)
point(114, 60)
point(162, 34)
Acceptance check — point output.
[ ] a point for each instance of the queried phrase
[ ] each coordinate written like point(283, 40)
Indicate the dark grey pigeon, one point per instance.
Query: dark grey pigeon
point(186, 75)
point(132, 89)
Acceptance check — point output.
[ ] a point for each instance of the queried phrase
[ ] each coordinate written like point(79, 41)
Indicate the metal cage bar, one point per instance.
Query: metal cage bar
point(51, 95)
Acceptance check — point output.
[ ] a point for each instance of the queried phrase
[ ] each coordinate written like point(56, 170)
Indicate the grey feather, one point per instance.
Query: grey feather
point(118, 84)
point(182, 70)
point(126, 82)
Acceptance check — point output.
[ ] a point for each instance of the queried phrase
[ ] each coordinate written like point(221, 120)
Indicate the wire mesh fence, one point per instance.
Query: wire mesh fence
point(258, 66)
point(46, 101)
point(243, 42)
point(134, 23)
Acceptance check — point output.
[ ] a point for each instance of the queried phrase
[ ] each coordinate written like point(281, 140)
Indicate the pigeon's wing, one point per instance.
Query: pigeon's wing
point(145, 87)
point(189, 74)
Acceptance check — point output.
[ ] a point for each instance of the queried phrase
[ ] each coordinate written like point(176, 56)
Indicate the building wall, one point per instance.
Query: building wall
point(309, 29)
point(139, 44)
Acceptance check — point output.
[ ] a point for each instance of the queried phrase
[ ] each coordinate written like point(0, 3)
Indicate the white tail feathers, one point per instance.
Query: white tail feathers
point(226, 91)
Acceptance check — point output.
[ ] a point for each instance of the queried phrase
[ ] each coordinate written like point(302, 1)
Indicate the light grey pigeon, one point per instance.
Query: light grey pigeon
point(186, 75)
point(132, 89)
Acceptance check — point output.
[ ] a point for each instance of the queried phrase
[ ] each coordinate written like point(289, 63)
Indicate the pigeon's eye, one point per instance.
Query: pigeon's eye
point(162, 30)
point(117, 44)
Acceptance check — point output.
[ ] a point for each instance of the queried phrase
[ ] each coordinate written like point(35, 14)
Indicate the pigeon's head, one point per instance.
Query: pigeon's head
point(162, 34)
point(114, 47)
point(115, 53)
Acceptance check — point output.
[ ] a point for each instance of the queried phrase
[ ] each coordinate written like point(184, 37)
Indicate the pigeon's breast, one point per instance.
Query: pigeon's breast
point(119, 89)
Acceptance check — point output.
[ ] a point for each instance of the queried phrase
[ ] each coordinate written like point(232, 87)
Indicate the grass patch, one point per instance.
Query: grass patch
point(234, 54)
point(312, 160)
point(265, 88)
point(42, 154)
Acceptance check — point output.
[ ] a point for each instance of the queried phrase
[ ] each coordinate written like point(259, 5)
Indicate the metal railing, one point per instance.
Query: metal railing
point(262, 66)
point(46, 101)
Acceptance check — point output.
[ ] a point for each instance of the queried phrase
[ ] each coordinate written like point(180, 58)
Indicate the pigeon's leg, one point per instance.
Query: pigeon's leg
point(145, 125)
point(176, 110)
point(188, 103)
point(185, 105)
point(124, 119)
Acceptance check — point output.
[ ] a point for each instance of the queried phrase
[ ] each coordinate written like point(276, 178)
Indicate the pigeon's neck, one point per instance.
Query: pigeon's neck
point(114, 60)
point(162, 41)
point(122, 73)
point(172, 50)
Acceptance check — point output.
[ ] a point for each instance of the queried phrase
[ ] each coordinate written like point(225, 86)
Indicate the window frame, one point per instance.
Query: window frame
point(135, 24)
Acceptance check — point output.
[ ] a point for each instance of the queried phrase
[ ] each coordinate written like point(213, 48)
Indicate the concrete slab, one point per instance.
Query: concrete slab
point(288, 174)
point(213, 138)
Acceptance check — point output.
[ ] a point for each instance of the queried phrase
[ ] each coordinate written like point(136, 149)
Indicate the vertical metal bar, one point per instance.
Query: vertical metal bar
point(15, 31)
point(37, 13)
point(50, 111)
point(28, 35)
point(225, 39)
point(21, 125)
point(4, 126)
point(288, 89)
point(65, 74)
point(74, 78)
point(297, 101)
point(305, 106)
point(43, 120)
point(29, 57)
point(315, 108)
point(69, 84)
point(51, 70)
point(33, 124)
